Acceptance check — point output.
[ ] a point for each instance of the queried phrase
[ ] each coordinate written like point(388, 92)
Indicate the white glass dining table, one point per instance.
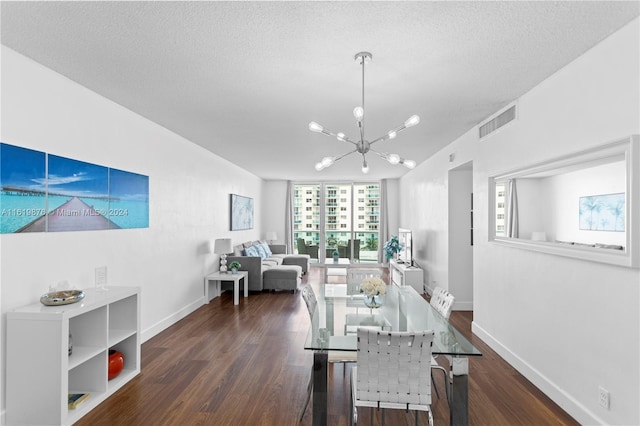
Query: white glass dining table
point(341, 310)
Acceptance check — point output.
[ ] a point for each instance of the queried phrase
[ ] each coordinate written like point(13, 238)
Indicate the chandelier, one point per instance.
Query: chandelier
point(363, 146)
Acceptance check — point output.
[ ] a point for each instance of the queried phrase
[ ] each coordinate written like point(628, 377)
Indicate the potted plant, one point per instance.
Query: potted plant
point(234, 266)
point(392, 247)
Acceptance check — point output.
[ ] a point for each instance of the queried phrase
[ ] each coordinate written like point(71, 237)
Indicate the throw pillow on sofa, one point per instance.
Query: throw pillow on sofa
point(252, 251)
point(261, 252)
point(266, 248)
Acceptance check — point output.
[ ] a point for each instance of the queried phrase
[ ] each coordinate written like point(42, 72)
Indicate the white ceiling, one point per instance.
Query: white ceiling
point(244, 79)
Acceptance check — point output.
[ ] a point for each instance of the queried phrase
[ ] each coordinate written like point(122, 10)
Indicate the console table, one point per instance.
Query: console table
point(403, 274)
point(218, 277)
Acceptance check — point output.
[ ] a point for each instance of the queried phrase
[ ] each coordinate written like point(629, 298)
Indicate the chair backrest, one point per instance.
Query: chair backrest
point(310, 299)
point(302, 246)
point(442, 300)
point(394, 366)
point(435, 297)
point(356, 275)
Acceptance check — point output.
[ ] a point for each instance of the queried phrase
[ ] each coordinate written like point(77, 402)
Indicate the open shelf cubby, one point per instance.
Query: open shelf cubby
point(40, 369)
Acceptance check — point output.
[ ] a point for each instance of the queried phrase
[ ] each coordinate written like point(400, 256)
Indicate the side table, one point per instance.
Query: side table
point(218, 277)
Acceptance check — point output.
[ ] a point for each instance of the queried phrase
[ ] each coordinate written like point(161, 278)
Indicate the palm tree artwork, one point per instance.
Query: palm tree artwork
point(602, 212)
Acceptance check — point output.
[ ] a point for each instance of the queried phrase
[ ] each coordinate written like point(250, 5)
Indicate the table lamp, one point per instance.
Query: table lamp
point(271, 236)
point(222, 247)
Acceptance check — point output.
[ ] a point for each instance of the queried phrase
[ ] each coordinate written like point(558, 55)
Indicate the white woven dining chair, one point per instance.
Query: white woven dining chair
point(442, 301)
point(333, 357)
point(393, 371)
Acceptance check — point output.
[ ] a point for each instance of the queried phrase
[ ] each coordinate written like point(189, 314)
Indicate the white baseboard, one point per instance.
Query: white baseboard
point(462, 306)
point(575, 409)
point(171, 319)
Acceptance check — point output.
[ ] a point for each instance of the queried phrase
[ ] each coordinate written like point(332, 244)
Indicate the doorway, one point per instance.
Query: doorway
point(461, 236)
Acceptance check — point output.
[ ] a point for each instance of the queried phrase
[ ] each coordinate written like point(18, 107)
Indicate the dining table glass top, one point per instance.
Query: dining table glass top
point(341, 311)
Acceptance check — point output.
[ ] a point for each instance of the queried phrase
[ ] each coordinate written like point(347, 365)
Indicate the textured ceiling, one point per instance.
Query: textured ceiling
point(244, 79)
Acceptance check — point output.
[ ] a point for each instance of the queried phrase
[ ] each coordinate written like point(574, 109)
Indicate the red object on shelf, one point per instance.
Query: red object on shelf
point(116, 363)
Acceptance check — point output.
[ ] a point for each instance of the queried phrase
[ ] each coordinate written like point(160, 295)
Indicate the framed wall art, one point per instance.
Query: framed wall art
point(42, 192)
point(602, 212)
point(241, 212)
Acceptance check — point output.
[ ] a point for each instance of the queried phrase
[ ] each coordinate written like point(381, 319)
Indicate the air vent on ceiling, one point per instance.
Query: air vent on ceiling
point(497, 122)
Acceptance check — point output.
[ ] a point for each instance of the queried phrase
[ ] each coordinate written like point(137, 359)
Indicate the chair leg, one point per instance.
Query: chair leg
point(309, 391)
point(434, 386)
point(447, 385)
point(351, 414)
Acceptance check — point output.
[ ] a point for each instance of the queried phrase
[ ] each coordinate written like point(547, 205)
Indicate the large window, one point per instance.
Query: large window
point(336, 225)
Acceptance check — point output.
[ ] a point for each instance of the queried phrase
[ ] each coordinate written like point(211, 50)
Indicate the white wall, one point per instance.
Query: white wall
point(189, 191)
point(568, 325)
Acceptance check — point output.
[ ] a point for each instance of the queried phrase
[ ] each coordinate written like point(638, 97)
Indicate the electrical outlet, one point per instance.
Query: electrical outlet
point(603, 397)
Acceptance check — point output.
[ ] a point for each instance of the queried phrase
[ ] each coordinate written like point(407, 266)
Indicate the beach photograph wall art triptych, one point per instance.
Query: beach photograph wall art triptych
point(43, 192)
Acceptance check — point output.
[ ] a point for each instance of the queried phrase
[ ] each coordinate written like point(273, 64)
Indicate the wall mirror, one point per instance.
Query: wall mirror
point(585, 205)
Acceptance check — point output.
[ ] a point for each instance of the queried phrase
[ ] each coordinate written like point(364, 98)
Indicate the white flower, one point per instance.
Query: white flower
point(373, 286)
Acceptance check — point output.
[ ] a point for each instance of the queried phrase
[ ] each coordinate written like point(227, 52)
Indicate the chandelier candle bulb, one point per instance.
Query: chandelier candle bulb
point(409, 164)
point(327, 161)
point(358, 113)
point(412, 121)
point(393, 159)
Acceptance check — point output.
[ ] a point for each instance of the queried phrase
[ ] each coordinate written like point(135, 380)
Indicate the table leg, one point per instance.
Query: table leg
point(320, 361)
point(236, 291)
point(245, 281)
point(206, 290)
point(459, 404)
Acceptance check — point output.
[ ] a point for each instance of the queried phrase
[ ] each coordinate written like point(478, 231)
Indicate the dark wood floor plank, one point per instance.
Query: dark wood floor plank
point(245, 364)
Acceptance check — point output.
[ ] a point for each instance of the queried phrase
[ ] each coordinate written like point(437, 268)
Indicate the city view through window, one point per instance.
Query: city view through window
point(340, 219)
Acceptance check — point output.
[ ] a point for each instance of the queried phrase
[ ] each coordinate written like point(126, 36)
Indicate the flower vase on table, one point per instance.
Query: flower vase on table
point(374, 289)
point(374, 301)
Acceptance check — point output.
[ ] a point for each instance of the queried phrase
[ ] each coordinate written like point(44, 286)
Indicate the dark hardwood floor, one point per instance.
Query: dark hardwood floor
point(245, 365)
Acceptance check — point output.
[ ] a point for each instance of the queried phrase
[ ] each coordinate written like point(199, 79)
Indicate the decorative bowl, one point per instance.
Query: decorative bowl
point(116, 363)
point(63, 297)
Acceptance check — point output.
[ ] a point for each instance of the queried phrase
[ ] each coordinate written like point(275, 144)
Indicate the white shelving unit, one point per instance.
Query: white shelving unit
point(41, 373)
point(402, 274)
